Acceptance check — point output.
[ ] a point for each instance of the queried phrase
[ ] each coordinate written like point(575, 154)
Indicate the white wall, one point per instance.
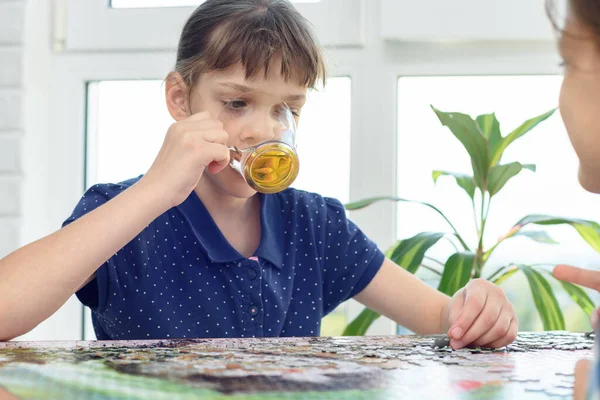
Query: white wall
point(27, 65)
point(11, 121)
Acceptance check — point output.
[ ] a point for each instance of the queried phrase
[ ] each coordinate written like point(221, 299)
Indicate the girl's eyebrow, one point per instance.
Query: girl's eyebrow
point(237, 87)
point(295, 97)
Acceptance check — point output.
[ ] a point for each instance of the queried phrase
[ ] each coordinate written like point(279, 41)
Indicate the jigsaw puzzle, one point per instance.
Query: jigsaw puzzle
point(536, 366)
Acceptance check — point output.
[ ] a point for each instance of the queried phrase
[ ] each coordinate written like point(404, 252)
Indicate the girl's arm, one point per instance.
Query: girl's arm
point(399, 295)
point(478, 314)
point(36, 280)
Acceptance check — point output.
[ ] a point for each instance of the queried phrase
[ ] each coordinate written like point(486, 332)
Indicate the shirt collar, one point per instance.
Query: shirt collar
point(217, 247)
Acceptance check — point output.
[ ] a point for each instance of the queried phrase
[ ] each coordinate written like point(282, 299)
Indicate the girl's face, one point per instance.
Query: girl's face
point(226, 95)
point(580, 99)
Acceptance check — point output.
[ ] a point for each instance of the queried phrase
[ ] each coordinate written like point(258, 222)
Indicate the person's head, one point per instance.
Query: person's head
point(579, 46)
point(230, 47)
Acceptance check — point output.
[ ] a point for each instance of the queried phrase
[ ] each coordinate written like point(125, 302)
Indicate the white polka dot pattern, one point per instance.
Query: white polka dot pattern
point(180, 278)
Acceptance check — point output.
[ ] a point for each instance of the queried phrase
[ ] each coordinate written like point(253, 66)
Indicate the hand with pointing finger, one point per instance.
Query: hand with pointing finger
point(581, 277)
point(589, 279)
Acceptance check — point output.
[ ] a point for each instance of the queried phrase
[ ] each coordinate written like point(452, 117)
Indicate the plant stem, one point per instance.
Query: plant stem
point(431, 269)
point(510, 271)
point(483, 218)
point(475, 215)
point(451, 242)
point(488, 253)
point(460, 239)
point(499, 271)
point(479, 252)
point(434, 208)
point(487, 211)
point(435, 261)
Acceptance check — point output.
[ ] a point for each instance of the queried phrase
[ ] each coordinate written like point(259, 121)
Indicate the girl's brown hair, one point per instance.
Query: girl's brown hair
point(221, 33)
point(587, 12)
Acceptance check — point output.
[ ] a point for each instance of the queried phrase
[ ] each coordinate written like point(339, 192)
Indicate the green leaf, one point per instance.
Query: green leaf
point(505, 276)
point(538, 236)
point(367, 202)
point(464, 181)
point(500, 174)
point(409, 253)
point(544, 299)
point(360, 325)
point(589, 230)
point(357, 205)
point(457, 272)
point(579, 296)
point(497, 147)
point(489, 126)
point(467, 132)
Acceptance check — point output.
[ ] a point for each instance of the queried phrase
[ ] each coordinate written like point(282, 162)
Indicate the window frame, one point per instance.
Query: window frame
point(91, 25)
point(508, 20)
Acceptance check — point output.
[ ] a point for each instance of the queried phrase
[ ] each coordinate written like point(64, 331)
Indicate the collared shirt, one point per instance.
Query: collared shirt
point(180, 277)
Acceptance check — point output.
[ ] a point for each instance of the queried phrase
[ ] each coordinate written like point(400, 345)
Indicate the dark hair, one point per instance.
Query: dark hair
point(587, 12)
point(221, 33)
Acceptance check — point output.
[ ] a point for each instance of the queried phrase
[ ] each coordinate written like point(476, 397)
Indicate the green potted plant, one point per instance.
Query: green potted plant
point(484, 143)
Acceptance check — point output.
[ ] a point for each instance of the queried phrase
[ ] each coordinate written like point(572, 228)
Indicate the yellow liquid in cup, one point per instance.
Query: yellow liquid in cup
point(272, 169)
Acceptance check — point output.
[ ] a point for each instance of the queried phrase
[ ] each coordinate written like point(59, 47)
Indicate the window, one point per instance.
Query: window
point(127, 121)
point(169, 3)
point(425, 145)
point(94, 25)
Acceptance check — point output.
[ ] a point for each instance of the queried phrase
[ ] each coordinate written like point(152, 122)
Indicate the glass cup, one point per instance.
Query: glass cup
point(272, 164)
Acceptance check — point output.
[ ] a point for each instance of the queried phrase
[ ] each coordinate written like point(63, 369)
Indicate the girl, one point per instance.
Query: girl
point(579, 46)
point(191, 250)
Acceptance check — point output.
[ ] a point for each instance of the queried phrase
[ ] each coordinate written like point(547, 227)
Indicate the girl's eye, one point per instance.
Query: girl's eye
point(237, 104)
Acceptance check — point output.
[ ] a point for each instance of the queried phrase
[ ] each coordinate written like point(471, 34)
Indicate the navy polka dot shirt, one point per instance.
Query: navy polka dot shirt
point(180, 278)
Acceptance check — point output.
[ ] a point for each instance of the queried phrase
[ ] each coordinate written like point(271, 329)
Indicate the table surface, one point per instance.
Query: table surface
point(536, 366)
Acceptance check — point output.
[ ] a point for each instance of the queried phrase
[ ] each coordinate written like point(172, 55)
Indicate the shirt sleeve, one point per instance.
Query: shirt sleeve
point(94, 294)
point(351, 259)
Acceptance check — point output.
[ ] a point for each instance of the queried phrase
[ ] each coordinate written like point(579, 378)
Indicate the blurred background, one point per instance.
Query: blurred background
point(82, 102)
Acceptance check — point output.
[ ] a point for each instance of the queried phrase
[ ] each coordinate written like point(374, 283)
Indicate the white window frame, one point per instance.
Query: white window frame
point(434, 20)
point(91, 25)
point(84, 52)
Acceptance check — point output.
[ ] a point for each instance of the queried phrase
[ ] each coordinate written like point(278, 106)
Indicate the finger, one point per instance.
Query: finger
point(578, 276)
point(510, 336)
point(595, 317)
point(199, 116)
point(216, 135)
point(497, 332)
point(203, 119)
point(582, 374)
point(6, 395)
point(195, 136)
point(219, 156)
point(203, 127)
point(456, 305)
point(484, 323)
point(475, 299)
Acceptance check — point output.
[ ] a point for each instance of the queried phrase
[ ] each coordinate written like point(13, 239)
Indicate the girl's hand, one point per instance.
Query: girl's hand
point(190, 146)
point(480, 315)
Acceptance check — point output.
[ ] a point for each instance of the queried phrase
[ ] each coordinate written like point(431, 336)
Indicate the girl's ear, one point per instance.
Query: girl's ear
point(177, 96)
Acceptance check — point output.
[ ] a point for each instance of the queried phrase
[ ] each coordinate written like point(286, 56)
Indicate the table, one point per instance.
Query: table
point(536, 366)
